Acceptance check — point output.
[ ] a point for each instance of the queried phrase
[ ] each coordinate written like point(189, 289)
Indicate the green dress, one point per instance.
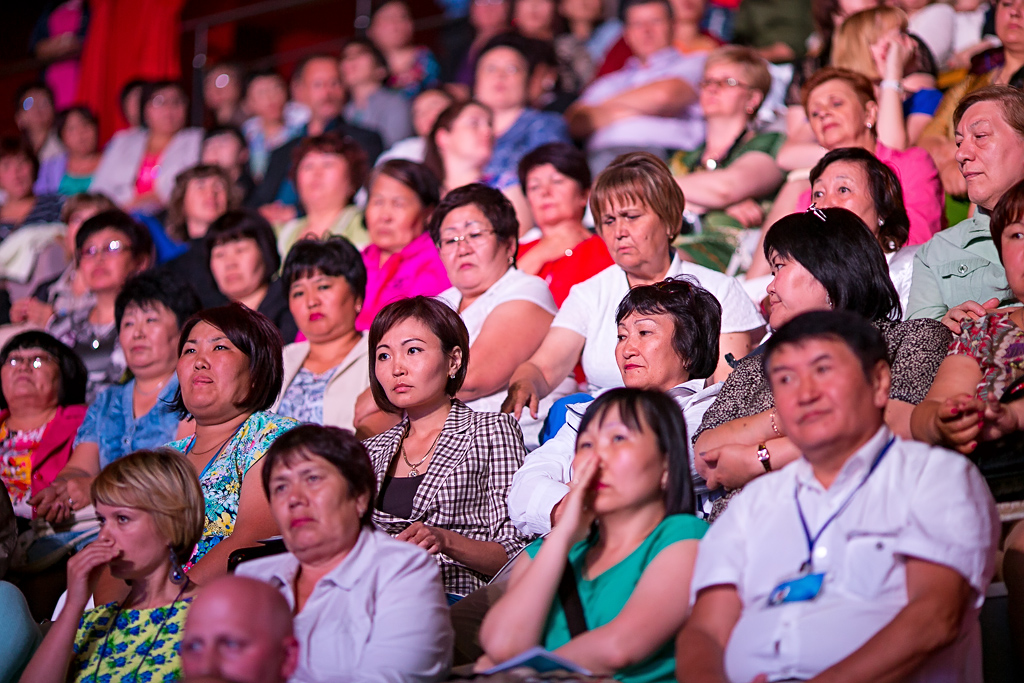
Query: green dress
point(604, 596)
point(720, 233)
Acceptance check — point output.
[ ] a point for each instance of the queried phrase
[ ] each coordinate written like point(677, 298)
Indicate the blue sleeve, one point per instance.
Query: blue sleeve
point(923, 102)
point(287, 194)
point(89, 431)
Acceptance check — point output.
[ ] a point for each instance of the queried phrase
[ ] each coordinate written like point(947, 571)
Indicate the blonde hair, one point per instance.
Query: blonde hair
point(851, 47)
point(753, 65)
point(642, 178)
point(161, 482)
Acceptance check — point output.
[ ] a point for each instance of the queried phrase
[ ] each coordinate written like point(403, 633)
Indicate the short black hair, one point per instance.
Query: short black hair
point(158, 286)
point(417, 177)
point(242, 224)
point(842, 254)
point(494, 205)
point(566, 158)
point(859, 335)
point(262, 73)
point(73, 375)
point(149, 91)
point(233, 131)
point(258, 338)
point(340, 447)
point(378, 56)
point(300, 67)
point(334, 257)
point(19, 147)
point(660, 414)
point(630, 4)
point(139, 240)
point(65, 114)
point(696, 316)
point(514, 41)
point(127, 89)
point(23, 90)
point(444, 323)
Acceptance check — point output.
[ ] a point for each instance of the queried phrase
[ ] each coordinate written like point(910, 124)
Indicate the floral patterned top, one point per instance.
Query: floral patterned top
point(142, 645)
point(304, 398)
point(221, 479)
point(997, 344)
point(16, 450)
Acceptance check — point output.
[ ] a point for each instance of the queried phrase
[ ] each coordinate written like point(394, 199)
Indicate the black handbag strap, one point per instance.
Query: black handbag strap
point(569, 596)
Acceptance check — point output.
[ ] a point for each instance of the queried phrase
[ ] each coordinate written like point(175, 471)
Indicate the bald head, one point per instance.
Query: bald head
point(239, 629)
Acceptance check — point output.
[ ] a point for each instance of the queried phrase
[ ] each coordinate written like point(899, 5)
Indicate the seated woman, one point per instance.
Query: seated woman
point(401, 259)
point(822, 259)
point(243, 261)
point(110, 247)
point(139, 166)
point(726, 179)
point(411, 68)
point(328, 170)
point(854, 179)
point(19, 169)
point(506, 312)
point(336, 544)
point(627, 533)
point(371, 104)
point(150, 508)
point(150, 311)
point(637, 207)
point(70, 172)
point(444, 471)
point(325, 373)
point(556, 178)
point(229, 371)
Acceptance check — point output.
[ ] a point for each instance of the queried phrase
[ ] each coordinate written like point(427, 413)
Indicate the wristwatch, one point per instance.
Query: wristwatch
point(764, 457)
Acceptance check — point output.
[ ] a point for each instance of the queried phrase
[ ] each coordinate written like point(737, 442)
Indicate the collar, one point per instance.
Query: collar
point(345, 576)
point(661, 58)
point(419, 245)
point(853, 469)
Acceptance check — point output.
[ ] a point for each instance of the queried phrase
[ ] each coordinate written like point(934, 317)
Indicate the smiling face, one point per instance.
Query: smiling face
point(477, 259)
point(988, 151)
point(323, 306)
point(25, 384)
point(554, 197)
point(213, 374)
point(792, 291)
point(838, 118)
point(645, 354)
point(149, 338)
point(412, 367)
point(501, 78)
point(106, 261)
point(394, 214)
point(238, 268)
point(635, 235)
point(135, 534)
point(845, 185)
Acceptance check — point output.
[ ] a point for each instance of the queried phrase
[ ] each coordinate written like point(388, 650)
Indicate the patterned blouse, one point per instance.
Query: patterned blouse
point(221, 479)
point(304, 398)
point(16, 450)
point(997, 344)
point(143, 645)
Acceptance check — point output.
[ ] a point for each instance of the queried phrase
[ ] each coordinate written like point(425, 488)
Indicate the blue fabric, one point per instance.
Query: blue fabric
point(110, 422)
point(922, 102)
point(556, 415)
point(21, 634)
point(531, 130)
point(166, 248)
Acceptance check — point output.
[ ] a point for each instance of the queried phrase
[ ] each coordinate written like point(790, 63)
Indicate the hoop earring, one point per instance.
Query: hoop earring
point(177, 571)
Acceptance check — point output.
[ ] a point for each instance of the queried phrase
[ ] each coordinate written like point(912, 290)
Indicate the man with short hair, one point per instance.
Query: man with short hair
point(865, 560)
point(239, 629)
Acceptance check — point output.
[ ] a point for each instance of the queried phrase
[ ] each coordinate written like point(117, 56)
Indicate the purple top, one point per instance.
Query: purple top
point(415, 270)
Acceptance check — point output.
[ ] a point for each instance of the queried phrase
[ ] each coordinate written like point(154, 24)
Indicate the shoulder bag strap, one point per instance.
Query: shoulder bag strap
point(569, 596)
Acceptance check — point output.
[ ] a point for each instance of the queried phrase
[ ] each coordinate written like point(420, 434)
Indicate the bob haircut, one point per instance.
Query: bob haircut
point(339, 447)
point(140, 244)
point(886, 192)
point(862, 87)
point(65, 114)
point(16, 147)
point(177, 221)
point(696, 319)
point(77, 202)
point(515, 42)
point(162, 483)
point(149, 91)
point(73, 375)
point(639, 178)
point(445, 120)
point(1009, 210)
point(245, 224)
point(495, 207)
point(1009, 98)
point(842, 254)
point(344, 147)
point(152, 287)
point(417, 177)
point(369, 46)
point(644, 410)
point(753, 65)
point(442, 321)
point(566, 159)
point(859, 335)
point(334, 257)
point(851, 44)
point(255, 336)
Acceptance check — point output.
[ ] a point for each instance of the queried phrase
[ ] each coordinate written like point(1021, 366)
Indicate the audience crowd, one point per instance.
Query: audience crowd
point(651, 340)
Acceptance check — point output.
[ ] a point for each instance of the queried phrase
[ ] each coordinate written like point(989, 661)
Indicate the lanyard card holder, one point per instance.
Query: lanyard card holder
point(804, 588)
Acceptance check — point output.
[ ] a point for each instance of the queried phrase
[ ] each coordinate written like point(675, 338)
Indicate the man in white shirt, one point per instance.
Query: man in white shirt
point(865, 560)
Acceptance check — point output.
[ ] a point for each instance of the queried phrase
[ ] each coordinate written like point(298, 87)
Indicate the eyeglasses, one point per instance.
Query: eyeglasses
point(112, 247)
point(33, 362)
point(722, 83)
point(813, 208)
point(474, 237)
point(508, 70)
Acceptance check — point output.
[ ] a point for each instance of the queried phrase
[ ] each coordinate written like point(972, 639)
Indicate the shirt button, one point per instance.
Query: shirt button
point(962, 268)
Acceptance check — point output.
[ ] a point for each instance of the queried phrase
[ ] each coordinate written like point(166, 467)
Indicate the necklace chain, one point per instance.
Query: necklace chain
point(413, 471)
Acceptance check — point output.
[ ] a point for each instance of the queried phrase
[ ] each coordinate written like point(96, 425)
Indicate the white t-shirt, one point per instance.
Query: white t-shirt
point(936, 25)
point(589, 310)
point(901, 272)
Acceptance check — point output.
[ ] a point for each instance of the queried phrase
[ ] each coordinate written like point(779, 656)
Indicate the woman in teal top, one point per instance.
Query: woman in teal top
point(627, 531)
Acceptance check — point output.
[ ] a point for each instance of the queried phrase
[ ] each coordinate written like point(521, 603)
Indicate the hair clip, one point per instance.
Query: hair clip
point(813, 208)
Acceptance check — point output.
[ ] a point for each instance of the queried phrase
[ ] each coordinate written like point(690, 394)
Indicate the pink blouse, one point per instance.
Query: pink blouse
point(415, 270)
point(148, 171)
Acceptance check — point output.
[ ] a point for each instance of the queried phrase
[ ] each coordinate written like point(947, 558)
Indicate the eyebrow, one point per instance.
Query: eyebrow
point(410, 340)
point(817, 359)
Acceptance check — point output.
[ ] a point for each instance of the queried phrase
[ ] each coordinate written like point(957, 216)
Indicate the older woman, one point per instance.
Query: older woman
point(328, 170)
point(556, 178)
point(631, 484)
point(444, 470)
point(110, 248)
point(637, 206)
point(401, 259)
point(229, 371)
point(150, 311)
point(322, 492)
point(821, 260)
point(150, 508)
point(19, 168)
point(139, 165)
point(726, 178)
point(324, 374)
point(244, 261)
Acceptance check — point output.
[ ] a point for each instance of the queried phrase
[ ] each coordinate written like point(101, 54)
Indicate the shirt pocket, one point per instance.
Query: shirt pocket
point(970, 274)
point(870, 566)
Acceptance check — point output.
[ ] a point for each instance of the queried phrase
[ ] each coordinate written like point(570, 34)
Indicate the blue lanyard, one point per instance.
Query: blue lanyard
point(812, 540)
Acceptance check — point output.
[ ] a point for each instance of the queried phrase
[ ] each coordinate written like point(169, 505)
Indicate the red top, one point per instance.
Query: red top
point(582, 262)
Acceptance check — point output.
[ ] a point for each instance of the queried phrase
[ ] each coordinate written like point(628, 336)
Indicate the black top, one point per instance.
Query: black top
point(396, 494)
point(194, 268)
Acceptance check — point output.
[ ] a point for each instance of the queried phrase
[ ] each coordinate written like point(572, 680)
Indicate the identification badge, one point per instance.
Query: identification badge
point(801, 589)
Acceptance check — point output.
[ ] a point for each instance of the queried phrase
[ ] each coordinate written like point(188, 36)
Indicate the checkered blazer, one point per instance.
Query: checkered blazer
point(465, 488)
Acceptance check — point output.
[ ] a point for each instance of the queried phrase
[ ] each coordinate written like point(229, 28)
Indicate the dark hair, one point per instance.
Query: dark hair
point(158, 287)
point(696, 319)
point(339, 447)
point(1009, 210)
point(245, 224)
point(859, 335)
point(416, 177)
point(641, 409)
point(17, 147)
point(378, 56)
point(140, 243)
point(443, 322)
point(513, 41)
point(1009, 99)
point(73, 375)
point(149, 91)
point(176, 221)
point(65, 114)
point(233, 131)
point(630, 4)
point(332, 143)
point(127, 88)
point(444, 121)
point(262, 73)
point(24, 90)
point(886, 192)
point(333, 257)
point(566, 159)
point(495, 206)
point(300, 67)
point(842, 254)
point(253, 334)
